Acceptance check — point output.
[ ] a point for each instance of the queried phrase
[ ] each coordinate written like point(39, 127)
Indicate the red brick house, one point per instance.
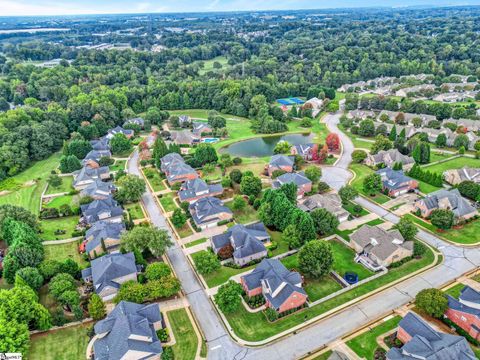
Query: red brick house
point(281, 288)
point(396, 183)
point(306, 151)
point(465, 312)
point(304, 185)
point(280, 162)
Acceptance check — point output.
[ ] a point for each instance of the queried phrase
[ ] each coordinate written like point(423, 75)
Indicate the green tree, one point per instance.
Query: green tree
point(31, 277)
point(315, 259)
point(347, 193)
point(178, 218)
point(236, 176)
point(157, 271)
point(228, 297)
point(313, 173)
point(77, 148)
point(325, 222)
point(160, 149)
point(282, 147)
point(14, 336)
point(432, 301)
point(130, 189)
point(143, 238)
point(239, 203)
point(461, 140)
point(407, 228)
point(358, 156)
point(441, 140)
point(292, 237)
point(366, 128)
point(54, 180)
point(372, 184)
point(393, 134)
point(250, 185)
point(381, 143)
point(204, 154)
point(120, 144)
point(96, 307)
point(69, 164)
point(442, 218)
point(206, 262)
point(131, 291)
point(290, 190)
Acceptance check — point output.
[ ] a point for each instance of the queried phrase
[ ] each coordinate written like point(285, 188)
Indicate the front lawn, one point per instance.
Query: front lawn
point(245, 216)
point(456, 163)
point(361, 172)
point(255, 326)
point(282, 245)
point(63, 252)
point(364, 345)
point(196, 242)
point(118, 165)
point(349, 207)
point(135, 211)
point(344, 261)
point(61, 200)
point(155, 179)
point(184, 231)
point(168, 202)
point(67, 224)
point(69, 344)
point(455, 290)
point(65, 186)
point(184, 333)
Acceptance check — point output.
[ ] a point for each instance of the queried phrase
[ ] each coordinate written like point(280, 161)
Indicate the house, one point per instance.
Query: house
point(195, 189)
point(105, 209)
point(395, 182)
point(433, 135)
point(103, 237)
point(92, 159)
point(409, 130)
point(459, 86)
point(304, 184)
point(281, 162)
point(184, 120)
point(469, 124)
point(119, 130)
point(465, 312)
point(281, 287)
point(315, 104)
point(200, 128)
point(446, 199)
point(208, 211)
point(180, 172)
point(306, 151)
point(455, 96)
point(456, 176)
point(129, 332)
point(415, 89)
point(421, 341)
point(135, 121)
point(100, 144)
point(389, 158)
point(361, 114)
point(170, 159)
point(392, 115)
point(98, 190)
point(87, 175)
point(330, 202)
point(184, 137)
point(110, 271)
point(377, 248)
point(247, 242)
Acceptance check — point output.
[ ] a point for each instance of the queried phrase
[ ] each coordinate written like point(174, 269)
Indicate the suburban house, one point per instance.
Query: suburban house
point(409, 130)
point(421, 341)
point(129, 332)
point(135, 121)
point(184, 137)
point(395, 182)
point(415, 89)
point(200, 128)
point(119, 130)
point(304, 185)
point(98, 190)
point(456, 176)
point(390, 158)
point(180, 172)
point(392, 115)
point(465, 312)
point(87, 175)
point(361, 114)
point(315, 104)
point(170, 159)
point(108, 272)
point(247, 242)
point(100, 144)
point(433, 135)
point(330, 202)
point(103, 237)
point(92, 159)
point(281, 162)
point(106, 209)
point(377, 248)
point(281, 287)
point(469, 124)
point(184, 120)
point(195, 189)
point(306, 151)
point(208, 211)
point(446, 199)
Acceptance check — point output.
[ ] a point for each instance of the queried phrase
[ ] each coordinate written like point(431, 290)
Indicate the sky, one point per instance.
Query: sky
point(72, 7)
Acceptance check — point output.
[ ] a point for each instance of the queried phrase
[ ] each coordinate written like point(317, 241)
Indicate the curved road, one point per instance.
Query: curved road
point(457, 261)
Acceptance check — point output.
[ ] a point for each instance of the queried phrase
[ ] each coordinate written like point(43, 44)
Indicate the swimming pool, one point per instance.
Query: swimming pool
point(210, 140)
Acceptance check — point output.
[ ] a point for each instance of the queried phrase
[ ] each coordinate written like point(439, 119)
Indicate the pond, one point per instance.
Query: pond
point(263, 146)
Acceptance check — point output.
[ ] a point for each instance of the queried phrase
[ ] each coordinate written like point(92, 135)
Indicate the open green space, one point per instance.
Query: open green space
point(61, 252)
point(244, 216)
point(344, 261)
point(196, 242)
point(215, 175)
point(439, 155)
point(135, 211)
point(50, 226)
point(168, 202)
point(349, 207)
point(345, 234)
point(58, 201)
point(455, 290)
point(155, 179)
point(361, 172)
point(184, 333)
point(426, 188)
point(255, 326)
point(184, 231)
point(65, 186)
point(364, 345)
point(282, 244)
point(64, 344)
point(455, 163)
point(323, 356)
point(118, 165)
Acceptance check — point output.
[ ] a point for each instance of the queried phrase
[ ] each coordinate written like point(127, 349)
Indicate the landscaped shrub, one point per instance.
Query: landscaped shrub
point(167, 353)
point(271, 314)
point(162, 335)
point(255, 301)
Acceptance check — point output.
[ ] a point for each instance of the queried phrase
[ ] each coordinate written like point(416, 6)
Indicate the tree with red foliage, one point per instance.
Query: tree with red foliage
point(315, 152)
point(226, 252)
point(323, 154)
point(333, 142)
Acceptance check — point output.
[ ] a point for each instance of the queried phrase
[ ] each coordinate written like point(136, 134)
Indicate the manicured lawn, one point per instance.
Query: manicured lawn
point(49, 227)
point(208, 65)
point(254, 326)
point(349, 207)
point(62, 252)
point(65, 186)
point(365, 344)
point(118, 165)
point(426, 188)
point(203, 114)
point(27, 187)
point(257, 166)
point(135, 211)
point(455, 163)
point(323, 356)
point(184, 231)
point(455, 290)
point(61, 200)
point(282, 245)
point(65, 344)
point(168, 202)
point(439, 155)
point(245, 216)
point(154, 179)
point(196, 242)
point(184, 333)
point(362, 171)
point(358, 141)
point(344, 261)
point(215, 175)
point(345, 234)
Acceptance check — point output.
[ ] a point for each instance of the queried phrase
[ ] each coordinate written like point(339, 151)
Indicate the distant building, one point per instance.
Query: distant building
point(361, 114)
point(208, 211)
point(330, 202)
point(92, 159)
point(281, 162)
point(456, 176)
point(304, 185)
point(100, 144)
point(184, 137)
point(170, 159)
point(184, 120)
point(389, 158)
point(395, 182)
point(200, 128)
point(119, 130)
point(446, 199)
point(136, 121)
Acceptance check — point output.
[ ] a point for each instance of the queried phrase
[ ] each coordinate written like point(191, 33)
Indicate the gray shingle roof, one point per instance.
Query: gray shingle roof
point(170, 159)
point(91, 212)
point(102, 230)
point(198, 187)
point(98, 188)
point(459, 205)
point(179, 169)
point(201, 127)
point(105, 269)
point(129, 327)
point(100, 144)
point(96, 155)
point(429, 344)
point(330, 202)
point(304, 149)
point(282, 160)
point(137, 121)
point(393, 179)
point(298, 179)
point(392, 156)
point(184, 137)
point(87, 173)
point(205, 209)
point(119, 130)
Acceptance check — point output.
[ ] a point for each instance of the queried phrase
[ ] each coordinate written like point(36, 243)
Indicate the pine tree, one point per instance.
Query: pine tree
point(393, 134)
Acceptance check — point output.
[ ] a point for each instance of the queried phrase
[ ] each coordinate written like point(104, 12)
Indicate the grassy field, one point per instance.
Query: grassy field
point(49, 227)
point(168, 202)
point(455, 163)
point(245, 216)
point(426, 188)
point(255, 327)
point(344, 261)
point(364, 345)
point(185, 336)
point(27, 187)
point(362, 171)
point(184, 231)
point(282, 245)
point(135, 211)
point(196, 242)
point(349, 207)
point(66, 186)
point(62, 252)
point(118, 165)
point(65, 344)
point(439, 155)
point(208, 65)
point(154, 179)
point(61, 200)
